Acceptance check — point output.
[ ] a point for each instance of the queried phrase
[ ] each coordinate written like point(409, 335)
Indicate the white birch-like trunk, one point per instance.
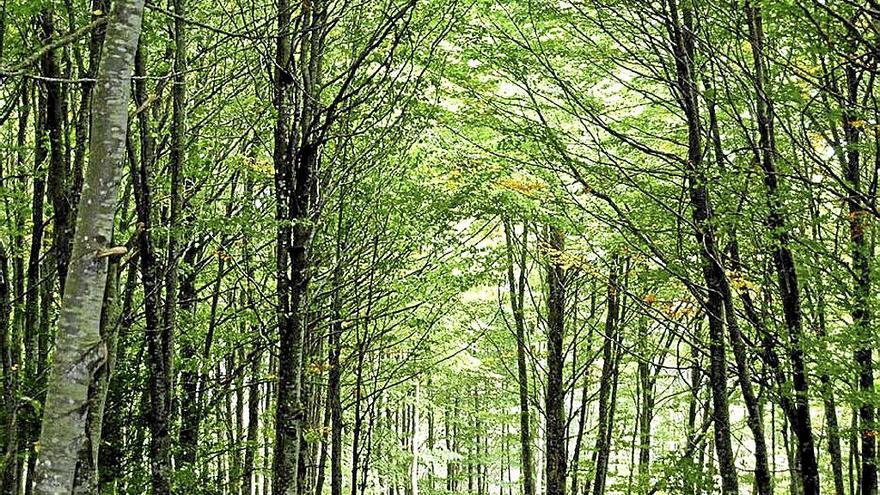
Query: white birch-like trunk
point(79, 350)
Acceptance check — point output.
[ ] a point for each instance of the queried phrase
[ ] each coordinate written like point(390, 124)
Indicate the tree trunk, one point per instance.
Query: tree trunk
point(860, 253)
point(176, 161)
point(517, 296)
point(9, 475)
point(602, 452)
point(29, 426)
point(646, 412)
point(190, 408)
point(79, 349)
point(9, 359)
point(253, 425)
point(414, 444)
point(763, 479)
point(57, 178)
point(783, 259)
point(582, 415)
point(86, 482)
point(682, 41)
point(157, 357)
point(557, 456)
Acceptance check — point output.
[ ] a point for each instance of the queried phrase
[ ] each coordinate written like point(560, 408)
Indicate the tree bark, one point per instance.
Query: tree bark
point(681, 31)
point(602, 451)
point(335, 376)
point(57, 179)
point(12, 380)
point(157, 358)
point(860, 253)
point(86, 482)
point(755, 421)
point(557, 456)
point(783, 259)
point(517, 297)
point(78, 349)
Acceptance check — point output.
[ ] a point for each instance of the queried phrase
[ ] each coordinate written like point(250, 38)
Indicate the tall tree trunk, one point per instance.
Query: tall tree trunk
point(251, 485)
point(783, 259)
point(646, 413)
point(82, 126)
point(602, 451)
point(557, 456)
point(157, 359)
point(112, 458)
point(176, 162)
point(9, 360)
point(681, 30)
point(334, 401)
point(582, 414)
point(830, 409)
point(517, 297)
point(79, 349)
point(860, 253)
point(816, 296)
point(190, 379)
point(253, 425)
point(12, 380)
point(414, 444)
point(57, 179)
point(694, 440)
point(763, 479)
point(296, 161)
point(29, 425)
point(288, 414)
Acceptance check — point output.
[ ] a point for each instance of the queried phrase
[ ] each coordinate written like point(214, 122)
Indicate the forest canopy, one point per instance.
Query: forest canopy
point(439, 247)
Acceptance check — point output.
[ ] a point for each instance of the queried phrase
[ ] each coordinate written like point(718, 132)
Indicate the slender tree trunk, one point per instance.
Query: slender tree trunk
point(855, 471)
point(860, 253)
point(557, 456)
point(29, 425)
point(602, 451)
point(646, 413)
point(79, 349)
point(159, 423)
point(294, 164)
point(57, 179)
point(112, 460)
point(579, 437)
point(253, 425)
point(783, 259)
point(9, 475)
point(334, 402)
point(414, 444)
point(9, 359)
point(681, 31)
point(763, 479)
point(517, 296)
point(358, 418)
point(82, 126)
point(190, 408)
point(177, 159)
point(693, 439)
point(833, 434)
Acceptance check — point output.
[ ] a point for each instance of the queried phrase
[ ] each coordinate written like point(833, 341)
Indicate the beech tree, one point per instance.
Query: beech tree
point(79, 348)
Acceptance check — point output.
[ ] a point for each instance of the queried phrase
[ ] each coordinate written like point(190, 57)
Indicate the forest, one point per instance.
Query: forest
point(439, 247)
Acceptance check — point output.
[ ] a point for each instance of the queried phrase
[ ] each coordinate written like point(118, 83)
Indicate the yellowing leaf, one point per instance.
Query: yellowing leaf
point(524, 187)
